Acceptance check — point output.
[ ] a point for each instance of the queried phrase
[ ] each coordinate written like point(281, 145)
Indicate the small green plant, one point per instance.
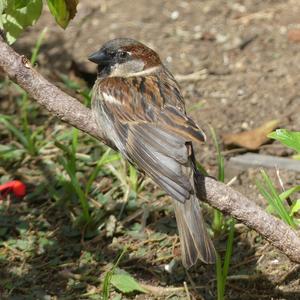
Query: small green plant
point(288, 138)
point(131, 185)
point(73, 85)
point(266, 187)
point(28, 134)
point(120, 279)
point(219, 224)
point(108, 276)
point(222, 269)
point(30, 140)
point(275, 200)
point(69, 162)
point(218, 220)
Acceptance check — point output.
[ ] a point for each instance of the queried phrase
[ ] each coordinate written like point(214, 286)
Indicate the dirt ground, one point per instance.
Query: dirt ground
point(245, 59)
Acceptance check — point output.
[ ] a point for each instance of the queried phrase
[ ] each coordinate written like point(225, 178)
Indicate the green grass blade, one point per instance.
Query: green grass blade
point(222, 270)
point(276, 200)
point(62, 147)
point(218, 219)
point(295, 207)
point(228, 254)
point(74, 141)
point(219, 271)
point(271, 195)
point(133, 178)
point(220, 157)
point(76, 185)
point(14, 130)
point(284, 195)
point(73, 151)
point(108, 276)
point(37, 46)
point(106, 158)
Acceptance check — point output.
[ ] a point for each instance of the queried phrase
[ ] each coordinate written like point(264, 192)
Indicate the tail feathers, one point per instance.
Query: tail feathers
point(194, 239)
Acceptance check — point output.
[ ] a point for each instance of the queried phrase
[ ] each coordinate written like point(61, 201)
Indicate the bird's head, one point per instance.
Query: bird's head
point(124, 57)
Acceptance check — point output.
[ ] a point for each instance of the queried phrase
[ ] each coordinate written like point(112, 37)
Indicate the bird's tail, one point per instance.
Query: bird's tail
point(194, 239)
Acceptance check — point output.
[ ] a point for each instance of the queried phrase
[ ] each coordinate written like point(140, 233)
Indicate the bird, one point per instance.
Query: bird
point(138, 105)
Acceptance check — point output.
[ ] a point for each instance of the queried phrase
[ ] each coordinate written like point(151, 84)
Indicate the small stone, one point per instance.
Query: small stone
point(240, 92)
point(221, 38)
point(224, 101)
point(111, 226)
point(208, 36)
point(175, 15)
point(238, 7)
point(245, 125)
point(169, 59)
point(197, 28)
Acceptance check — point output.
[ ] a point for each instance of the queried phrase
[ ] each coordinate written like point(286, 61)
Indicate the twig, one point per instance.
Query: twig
point(217, 194)
point(288, 199)
point(160, 291)
point(188, 296)
point(199, 75)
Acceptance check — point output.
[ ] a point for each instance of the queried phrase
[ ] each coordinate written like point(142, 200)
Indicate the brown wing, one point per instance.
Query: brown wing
point(154, 131)
point(149, 99)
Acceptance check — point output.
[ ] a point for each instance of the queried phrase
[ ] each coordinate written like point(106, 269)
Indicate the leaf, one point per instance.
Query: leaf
point(133, 178)
point(251, 139)
point(15, 20)
point(3, 4)
point(20, 3)
point(295, 208)
point(126, 283)
point(288, 138)
point(289, 192)
point(294, 35)
point(63, 11)
point(23, 245)
point(269, 192)
point(72, 7)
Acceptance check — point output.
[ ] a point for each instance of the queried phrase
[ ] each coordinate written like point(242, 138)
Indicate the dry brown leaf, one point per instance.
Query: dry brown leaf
point(72, 7)
point(294, 35)
point(251, 139)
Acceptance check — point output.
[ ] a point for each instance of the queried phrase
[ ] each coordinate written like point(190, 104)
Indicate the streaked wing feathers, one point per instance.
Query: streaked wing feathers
point(162, 155)
point(147, 99)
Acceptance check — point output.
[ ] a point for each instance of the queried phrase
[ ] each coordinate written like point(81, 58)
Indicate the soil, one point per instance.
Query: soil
point(249, 57)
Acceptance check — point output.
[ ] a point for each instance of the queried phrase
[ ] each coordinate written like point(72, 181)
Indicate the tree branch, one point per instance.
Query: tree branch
point(217, 194)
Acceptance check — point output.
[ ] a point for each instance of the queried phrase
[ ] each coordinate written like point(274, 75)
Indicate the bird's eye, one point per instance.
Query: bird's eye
point(123, 54)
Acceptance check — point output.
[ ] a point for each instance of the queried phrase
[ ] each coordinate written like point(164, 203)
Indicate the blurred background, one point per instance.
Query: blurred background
point(238, 65)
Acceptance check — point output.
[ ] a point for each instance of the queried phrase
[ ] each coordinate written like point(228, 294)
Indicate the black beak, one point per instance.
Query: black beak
point(99, 58)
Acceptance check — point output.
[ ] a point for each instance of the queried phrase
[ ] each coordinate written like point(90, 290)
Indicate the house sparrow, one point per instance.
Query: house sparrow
point(138, 104)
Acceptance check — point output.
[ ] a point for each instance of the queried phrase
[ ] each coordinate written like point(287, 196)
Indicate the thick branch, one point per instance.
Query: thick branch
point(218, 195)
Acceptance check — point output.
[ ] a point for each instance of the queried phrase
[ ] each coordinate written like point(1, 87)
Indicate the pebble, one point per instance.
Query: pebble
point(174, 15)
point(245, 125)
